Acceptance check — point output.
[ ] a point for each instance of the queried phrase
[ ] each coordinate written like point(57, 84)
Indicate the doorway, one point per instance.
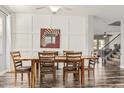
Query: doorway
point(99, 42)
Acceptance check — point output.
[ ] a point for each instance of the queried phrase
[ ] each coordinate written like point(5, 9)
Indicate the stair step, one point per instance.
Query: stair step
point(115, 56)
point(114, 59)
point(113, 63)
point(118, 53)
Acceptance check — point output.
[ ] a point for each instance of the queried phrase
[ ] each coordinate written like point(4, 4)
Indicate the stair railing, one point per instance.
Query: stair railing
point(107, 45)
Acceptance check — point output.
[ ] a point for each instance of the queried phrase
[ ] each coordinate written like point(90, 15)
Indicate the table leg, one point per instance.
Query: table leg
point(37, 70)
point(57, 66)
point(33, 74)
point(82, 72)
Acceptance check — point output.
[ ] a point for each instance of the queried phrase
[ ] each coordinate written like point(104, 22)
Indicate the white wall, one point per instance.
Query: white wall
point(8, 42)
point(116, 41)
point(74, 33)
point(122, 44)
point(3, 48)
point(89, 35)
point(101, 26)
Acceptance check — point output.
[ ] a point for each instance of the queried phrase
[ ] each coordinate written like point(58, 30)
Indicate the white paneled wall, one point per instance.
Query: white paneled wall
point(22, 33)
point(23, 24)
point(22, 41)
point(26, 32)
point(76, 33)
point(43, 21)
point(38, 22)
point(61, 22)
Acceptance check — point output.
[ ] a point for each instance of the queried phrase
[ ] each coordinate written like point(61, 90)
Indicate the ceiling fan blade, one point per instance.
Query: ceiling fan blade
point(109, 35)
point(40, 8)
point(67, 8)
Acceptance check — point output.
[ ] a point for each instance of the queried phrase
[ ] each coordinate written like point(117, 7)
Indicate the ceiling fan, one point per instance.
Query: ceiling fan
point(54, 9)
point(106, 35)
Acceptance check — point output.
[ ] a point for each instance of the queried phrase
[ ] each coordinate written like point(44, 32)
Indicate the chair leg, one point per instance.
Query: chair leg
point(21, 76)
point(57, 65)
point(54, 76)
point(15, 78)
point(74, 75)
point(79, 75)
point(41, 77)
point(29, 79)
point(93, 73)
point(66, 76)
point(37, 66)
point(63, 75)
point(88, 73)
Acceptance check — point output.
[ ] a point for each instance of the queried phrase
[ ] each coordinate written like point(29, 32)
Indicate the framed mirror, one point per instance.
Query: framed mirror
point(50, 38)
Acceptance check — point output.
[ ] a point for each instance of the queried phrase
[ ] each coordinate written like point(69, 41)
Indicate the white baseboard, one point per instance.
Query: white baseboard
point(3, 72)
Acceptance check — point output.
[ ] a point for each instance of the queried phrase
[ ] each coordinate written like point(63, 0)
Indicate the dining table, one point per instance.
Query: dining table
point(58, 59)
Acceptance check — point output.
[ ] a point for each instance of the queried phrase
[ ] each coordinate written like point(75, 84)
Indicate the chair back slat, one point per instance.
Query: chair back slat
point(72, 63)
point(91, 64)
point(51, 52)
point(47, 64)
point(46, 58)
point(17, 63)
point(73, 58)
point(67, 51)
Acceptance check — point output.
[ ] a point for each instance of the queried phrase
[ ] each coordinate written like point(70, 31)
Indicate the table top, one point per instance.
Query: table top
point(56, 58)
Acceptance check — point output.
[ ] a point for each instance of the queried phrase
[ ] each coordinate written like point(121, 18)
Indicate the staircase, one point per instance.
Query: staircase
point(114, 57)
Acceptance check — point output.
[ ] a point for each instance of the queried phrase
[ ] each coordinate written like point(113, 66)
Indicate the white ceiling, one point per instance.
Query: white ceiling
point(105, 11)
point(104, 15)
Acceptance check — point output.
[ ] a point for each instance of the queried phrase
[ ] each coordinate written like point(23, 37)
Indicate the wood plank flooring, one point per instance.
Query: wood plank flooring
point(105, 76)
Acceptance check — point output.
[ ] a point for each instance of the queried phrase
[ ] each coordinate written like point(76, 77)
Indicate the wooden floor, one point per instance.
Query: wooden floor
point(105, 76)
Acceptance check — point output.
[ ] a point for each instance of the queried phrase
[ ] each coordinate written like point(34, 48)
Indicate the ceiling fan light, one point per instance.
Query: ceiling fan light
point(54, 9)
point(105, 36)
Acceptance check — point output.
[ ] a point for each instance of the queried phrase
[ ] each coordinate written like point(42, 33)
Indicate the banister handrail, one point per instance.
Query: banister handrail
point(111, 41)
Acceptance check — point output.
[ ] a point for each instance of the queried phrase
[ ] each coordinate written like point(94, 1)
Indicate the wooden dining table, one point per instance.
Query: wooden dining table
point(58, 59)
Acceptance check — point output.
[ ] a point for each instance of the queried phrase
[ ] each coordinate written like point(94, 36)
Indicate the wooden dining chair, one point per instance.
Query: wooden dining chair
point(67, 51)
point(72, 64)
point(55, 53)
point(91, 67)
point(18, 66)
point(47, 65)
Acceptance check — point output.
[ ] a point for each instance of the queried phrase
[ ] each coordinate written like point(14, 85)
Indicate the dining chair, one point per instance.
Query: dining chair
point(18, 66)
point(67, 51)
point(47, 65)
point(56, 54)
point(90, 67)
point(72, 64)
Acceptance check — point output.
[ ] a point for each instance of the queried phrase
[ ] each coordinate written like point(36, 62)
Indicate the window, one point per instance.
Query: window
point(101, 43)
point(1, 35)
point(98, 44)
point(95, 44)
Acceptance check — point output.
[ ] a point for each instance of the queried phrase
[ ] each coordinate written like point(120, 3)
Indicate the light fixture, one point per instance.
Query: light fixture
point(54, 9)
point(105, 35)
